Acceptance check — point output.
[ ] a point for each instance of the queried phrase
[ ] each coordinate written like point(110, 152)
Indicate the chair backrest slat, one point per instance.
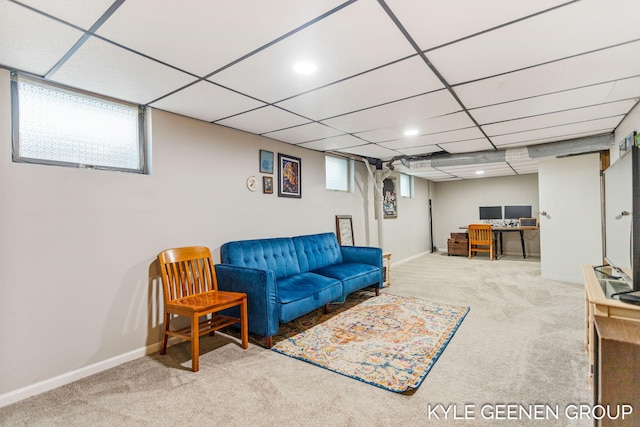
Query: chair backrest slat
point(480, 232)
point(187, 271)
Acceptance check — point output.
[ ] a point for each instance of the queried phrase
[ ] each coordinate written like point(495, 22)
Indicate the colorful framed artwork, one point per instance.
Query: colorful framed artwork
point(390, 202)
point(289, 176)
point(344, 230)
point(266, 161)
point(267, 184)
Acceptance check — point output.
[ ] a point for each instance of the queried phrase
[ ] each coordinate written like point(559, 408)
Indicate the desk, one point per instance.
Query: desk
point(521, 229)
point(497, 231)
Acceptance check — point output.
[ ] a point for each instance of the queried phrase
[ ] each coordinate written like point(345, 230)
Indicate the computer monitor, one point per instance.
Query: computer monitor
point(517, 212)
point(490, 212)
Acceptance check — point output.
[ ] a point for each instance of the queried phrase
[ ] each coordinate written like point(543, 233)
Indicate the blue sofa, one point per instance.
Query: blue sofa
point(285, 278)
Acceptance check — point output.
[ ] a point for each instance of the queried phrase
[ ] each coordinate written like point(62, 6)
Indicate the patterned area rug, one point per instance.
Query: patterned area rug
point(388, 341)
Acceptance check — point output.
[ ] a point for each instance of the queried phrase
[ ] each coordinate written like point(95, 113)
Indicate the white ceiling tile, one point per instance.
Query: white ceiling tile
point(598, 67)
point(428, 126)
point(433, 175)
point(392, 82)
point(480, 144)
point(399, 114)
point(534, 136)
point(432, 23)
point(82, 13)
point(102, 68)
point(263, 120)
point(206, 101)
point(202, 36)
point(303, 133)
point(560, 118)
point(578, 25)
point(34, 51)
point(437, 138)
point(556, 138)
point(542, 104)
point(423, 149)
point(342, 45)
point(333, 143)
point(371, 150)
point(624, 89)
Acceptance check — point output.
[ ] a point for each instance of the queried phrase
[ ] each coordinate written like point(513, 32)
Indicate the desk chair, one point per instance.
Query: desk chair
point(191, 290)
point(481, 239)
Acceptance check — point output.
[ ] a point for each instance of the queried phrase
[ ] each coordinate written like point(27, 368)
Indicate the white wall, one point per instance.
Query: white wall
point(630, 124)
point(456, 204)
point(77, 265)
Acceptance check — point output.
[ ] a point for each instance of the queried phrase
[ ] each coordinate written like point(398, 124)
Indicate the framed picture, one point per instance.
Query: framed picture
point(289, 179)
point(390, 202)
point(344, 230)
point(267, 184)
point(266, 161)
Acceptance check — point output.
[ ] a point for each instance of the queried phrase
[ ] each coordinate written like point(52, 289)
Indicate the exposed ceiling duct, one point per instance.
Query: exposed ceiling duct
point(519, 160)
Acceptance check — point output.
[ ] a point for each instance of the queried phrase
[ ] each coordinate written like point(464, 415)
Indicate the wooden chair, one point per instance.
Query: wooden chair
point(481, 239)
point(191, 290)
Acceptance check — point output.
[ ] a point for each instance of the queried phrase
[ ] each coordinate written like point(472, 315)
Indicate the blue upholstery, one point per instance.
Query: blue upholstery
point(285, 278)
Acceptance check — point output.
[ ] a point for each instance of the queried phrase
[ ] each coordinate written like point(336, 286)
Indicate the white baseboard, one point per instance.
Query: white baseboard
point(402, 261)
point(69, 377)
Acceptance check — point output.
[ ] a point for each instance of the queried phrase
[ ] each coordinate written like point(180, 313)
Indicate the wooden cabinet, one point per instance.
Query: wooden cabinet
point(597, 304)
point(616, 375)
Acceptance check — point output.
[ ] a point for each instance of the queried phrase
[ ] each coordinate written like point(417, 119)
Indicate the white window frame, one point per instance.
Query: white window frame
point(347, 180)
point(142, 167)
point(406, 185)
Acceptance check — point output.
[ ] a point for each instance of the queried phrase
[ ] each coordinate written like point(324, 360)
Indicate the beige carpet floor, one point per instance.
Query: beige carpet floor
point(521, 344)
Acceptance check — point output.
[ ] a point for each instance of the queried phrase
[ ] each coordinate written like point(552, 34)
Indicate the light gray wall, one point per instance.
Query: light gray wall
point(456, 204)
point(77, 266)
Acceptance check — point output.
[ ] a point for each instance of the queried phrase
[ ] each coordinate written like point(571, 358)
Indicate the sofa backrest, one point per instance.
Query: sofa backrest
point(277, 254)
point(317, 250)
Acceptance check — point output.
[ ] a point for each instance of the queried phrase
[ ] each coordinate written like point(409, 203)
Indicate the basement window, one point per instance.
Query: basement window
point(338, 173)
point(54, 125)
point(406, 185)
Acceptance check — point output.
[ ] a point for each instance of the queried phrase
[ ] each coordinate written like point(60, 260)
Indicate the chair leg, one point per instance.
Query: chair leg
point(165, 337)
point(244, 327)
point(195, 343)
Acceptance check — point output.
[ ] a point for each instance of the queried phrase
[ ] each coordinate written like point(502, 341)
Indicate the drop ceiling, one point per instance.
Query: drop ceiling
point(468, 76)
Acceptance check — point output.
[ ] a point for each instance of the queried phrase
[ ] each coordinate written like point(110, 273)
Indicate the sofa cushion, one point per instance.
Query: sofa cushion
point(317, 251)
point(354, 276)
point(301, 293)
point(277, 254)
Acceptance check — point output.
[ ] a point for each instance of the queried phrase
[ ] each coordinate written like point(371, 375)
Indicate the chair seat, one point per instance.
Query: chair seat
point(205, 300)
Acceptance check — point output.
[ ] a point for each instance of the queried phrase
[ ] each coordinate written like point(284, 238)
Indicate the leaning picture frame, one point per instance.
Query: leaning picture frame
point(344, 230)
point(289, 176)
point(266, 161)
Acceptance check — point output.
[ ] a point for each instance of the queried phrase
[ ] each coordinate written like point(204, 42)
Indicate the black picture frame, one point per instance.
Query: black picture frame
point(289, 176)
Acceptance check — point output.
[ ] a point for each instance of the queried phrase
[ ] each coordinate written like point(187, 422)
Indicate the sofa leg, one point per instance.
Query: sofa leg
point(268, 342)
point(377, 292)
point(326, 308)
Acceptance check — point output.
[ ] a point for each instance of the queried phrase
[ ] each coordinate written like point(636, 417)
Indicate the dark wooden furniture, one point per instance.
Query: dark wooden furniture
point(481, 239)
point(458, 244)
point(616, 374)
point(191, 290)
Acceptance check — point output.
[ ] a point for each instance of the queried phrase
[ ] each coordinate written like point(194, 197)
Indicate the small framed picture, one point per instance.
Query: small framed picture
point(289, 176)
point(266, 161)
point(267, 184)
point(344, 229)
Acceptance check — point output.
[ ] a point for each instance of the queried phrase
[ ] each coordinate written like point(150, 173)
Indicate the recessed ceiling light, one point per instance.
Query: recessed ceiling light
point(411, 132)
point(479, 172)
point(305, 67)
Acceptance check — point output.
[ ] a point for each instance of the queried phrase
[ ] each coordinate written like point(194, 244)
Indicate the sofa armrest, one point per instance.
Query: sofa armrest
point(262, 296)
point(362, 254)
